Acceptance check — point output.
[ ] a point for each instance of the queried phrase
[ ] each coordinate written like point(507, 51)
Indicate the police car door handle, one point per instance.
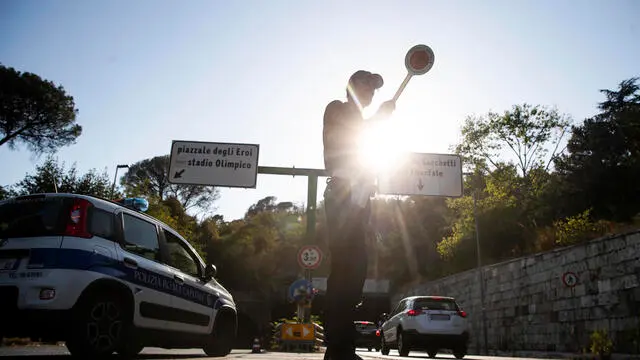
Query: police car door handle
point(130, 263)
point(178, 279)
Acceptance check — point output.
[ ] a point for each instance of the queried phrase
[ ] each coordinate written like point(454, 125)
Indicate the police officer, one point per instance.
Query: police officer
point(347, 208)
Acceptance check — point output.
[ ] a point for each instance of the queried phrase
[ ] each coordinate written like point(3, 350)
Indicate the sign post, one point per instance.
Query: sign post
point(215, 164)
point(310, 257)
point(424, 174)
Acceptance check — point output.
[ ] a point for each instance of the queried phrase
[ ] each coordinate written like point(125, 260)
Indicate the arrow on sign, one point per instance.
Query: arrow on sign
point(290, 331)
point(178, 174)
point(305, 332)
point(420, 184)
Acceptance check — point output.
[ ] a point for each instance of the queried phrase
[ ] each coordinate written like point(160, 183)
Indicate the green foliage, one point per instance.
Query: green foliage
point(35, 112)
point(52, 176)
point(525, 131)
point(601, 344)
point(4, 193)
point(574, 229)
point(603, 162)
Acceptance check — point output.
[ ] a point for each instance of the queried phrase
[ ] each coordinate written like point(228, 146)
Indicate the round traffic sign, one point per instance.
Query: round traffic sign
point(419, 60)
point(310, 257)
point(570, 279)
point(300, 290)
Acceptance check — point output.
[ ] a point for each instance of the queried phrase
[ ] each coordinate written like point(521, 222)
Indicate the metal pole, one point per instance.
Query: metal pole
point(482, 305)
point(312, 199)
point(115, 177)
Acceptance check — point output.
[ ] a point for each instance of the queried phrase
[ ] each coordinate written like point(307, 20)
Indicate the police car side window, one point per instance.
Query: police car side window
point(101, 223)
point(179, 257)
point(141, 237)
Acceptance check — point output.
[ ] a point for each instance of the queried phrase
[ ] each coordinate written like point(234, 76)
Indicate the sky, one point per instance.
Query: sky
point(147, 72)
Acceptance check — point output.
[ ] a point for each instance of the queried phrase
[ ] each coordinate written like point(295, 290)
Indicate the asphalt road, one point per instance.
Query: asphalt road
point(60, 352)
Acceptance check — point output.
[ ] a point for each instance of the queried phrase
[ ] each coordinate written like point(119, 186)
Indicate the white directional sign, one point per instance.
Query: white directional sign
point(215, 164)
point(424, 174)
point(310, 257)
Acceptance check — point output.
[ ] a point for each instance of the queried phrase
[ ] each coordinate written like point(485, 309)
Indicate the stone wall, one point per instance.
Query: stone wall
point(529, 306)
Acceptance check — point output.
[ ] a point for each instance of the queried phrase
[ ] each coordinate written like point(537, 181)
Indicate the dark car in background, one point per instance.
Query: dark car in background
point(367, 335)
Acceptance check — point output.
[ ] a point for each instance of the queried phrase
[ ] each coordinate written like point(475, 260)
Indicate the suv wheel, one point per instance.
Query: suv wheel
point(221, 339)
point(459, 353)
point(403, 346)
point(384, 349)
point(100, 325)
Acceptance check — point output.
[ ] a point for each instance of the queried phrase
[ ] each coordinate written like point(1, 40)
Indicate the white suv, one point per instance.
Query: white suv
point(427, 323)
point(104, 278)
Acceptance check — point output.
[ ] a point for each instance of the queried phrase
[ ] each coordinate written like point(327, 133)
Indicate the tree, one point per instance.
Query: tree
point(4, 193)
point(35, 112)
point(150, 177)
point(603, 163)
point(51, 176)
point(526, 132)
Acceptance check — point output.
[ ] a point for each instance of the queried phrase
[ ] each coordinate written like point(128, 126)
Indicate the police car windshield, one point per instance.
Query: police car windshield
point(32, 216)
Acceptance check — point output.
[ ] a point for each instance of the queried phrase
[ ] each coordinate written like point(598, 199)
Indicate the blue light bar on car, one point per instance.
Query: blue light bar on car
point(139, 204)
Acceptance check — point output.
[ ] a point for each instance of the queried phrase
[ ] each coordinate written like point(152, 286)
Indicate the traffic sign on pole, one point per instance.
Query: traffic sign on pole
point(423, 174)
point(310, 257)
point(569, 279)
point(213, 164)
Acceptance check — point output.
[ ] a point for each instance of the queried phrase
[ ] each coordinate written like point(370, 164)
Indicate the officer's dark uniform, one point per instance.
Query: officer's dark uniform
point(346, 223)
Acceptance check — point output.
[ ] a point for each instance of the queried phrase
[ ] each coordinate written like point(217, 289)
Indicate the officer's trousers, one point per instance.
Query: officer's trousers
point(346, 228)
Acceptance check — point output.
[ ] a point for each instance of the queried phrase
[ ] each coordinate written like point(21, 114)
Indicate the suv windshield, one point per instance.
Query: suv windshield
point(435, 304)
point(32, 216)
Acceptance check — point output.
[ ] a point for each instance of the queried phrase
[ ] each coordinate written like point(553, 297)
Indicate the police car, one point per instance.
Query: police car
point(104, 277)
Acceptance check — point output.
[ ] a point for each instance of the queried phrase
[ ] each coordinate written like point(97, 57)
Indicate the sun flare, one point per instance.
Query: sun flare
point(382, 145)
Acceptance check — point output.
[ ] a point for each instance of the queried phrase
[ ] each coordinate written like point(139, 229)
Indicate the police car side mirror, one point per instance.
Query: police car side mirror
point(210, 272)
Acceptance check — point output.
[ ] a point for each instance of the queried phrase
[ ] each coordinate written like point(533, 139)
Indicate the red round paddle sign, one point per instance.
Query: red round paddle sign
point(419, 60)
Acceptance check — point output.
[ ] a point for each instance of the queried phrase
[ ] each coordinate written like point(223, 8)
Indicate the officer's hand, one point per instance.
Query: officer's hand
point(387, 108)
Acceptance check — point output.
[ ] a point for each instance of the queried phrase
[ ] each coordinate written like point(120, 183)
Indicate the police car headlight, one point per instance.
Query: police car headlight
point(47, 294)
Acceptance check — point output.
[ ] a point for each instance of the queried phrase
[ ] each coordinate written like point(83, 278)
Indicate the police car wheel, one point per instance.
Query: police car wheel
point(129, 350)
point(99, 328)
point(221, 339)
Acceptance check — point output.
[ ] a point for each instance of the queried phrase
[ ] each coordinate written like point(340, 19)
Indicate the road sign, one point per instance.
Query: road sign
point(301, 290)
point(570, 279)
point(292, 332)
point(310, 257)
point(419, 60)
point(214, 164)
point(423, 174)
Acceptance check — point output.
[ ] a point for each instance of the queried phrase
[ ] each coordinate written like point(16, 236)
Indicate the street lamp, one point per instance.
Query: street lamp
point(115, 177)
point(479, 266)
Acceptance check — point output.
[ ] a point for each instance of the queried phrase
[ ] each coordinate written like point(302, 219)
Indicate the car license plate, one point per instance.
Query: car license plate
point(440, 317)
point(7, 264)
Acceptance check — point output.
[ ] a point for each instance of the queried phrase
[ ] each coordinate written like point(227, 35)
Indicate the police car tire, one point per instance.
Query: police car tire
point(129, 350)
point(97, 306)
point(221, 340)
